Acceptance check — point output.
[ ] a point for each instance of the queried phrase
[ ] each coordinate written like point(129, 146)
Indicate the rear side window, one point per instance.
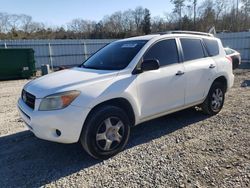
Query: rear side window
point(212, 47)
point(192, 49)
point(165, 51)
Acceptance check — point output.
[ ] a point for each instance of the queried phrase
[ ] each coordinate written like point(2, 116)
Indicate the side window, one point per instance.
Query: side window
point(165, 51)
point(192, 49)
point(212, 47)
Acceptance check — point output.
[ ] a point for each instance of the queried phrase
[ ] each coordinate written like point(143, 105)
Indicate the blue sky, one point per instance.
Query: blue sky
point(60, 12)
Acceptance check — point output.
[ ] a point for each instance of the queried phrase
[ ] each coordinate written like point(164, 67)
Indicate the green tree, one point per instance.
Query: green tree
point(187, 23)
point(194, 2)
point(138, 15)
point(178, 6)
point(246, 7)
point(146, 24)
point(207, 15)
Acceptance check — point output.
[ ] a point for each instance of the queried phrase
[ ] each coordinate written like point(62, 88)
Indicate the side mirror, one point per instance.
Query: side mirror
point(151, 64)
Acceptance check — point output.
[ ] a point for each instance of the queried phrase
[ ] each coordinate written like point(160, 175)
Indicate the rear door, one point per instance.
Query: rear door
point(199, 69)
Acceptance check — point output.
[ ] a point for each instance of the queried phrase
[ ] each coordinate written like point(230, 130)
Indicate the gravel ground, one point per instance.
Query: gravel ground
point(184, 149)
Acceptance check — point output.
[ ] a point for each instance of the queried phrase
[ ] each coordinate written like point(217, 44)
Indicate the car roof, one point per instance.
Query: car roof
point(145, 37)
point(171, 35)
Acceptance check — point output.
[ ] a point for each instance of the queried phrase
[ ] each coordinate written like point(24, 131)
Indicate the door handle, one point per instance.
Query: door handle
point(179, 73)
point(212, 66)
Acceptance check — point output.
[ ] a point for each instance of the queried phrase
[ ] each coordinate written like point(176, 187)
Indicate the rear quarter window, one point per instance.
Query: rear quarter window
point(212, 47)
point(192, 49)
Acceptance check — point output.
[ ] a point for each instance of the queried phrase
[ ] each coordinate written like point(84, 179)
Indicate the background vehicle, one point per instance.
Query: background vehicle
point(128, 82)
point(235, 56)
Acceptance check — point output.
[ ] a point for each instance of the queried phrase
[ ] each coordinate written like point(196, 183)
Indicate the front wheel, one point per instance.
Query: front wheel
point(215, 99)
point(106, 132)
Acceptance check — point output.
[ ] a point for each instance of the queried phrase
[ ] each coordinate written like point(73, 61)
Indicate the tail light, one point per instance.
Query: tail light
point(229, 58)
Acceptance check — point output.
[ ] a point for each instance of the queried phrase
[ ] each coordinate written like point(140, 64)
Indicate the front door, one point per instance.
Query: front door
point(161, 90)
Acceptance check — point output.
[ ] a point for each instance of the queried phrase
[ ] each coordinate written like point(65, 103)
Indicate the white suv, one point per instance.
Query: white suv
point(126, 83)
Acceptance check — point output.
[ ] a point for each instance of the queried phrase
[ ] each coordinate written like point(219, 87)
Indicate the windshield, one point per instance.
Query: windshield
point(115, 56)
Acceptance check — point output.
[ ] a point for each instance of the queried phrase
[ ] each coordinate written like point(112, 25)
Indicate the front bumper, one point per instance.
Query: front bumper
point(43, 124)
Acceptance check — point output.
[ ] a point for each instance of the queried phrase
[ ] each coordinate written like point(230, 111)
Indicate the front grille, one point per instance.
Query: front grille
point(28, 99)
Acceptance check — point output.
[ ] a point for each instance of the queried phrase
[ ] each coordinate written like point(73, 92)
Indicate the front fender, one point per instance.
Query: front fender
point(124, 86)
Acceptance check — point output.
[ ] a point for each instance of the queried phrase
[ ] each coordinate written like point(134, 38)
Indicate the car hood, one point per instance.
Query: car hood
point(65, 80)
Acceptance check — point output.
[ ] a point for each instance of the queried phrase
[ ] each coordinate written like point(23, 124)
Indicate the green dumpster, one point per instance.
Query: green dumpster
point(16, 63)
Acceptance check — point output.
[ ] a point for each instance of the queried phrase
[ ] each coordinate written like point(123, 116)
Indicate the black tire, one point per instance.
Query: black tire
point(96, 146)
point(208, 106)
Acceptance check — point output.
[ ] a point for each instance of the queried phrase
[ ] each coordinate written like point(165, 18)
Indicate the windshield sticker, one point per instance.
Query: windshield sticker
point(129, 45)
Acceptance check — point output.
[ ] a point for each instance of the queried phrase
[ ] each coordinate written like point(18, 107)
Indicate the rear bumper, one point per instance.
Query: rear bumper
point(43, 124)
point(231, 81)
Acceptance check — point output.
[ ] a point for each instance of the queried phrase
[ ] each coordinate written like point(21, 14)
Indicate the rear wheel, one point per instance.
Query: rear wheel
point(215, 99)
point(106, 132)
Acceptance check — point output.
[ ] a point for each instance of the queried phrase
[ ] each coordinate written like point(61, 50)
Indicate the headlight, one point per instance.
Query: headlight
point(58, 101)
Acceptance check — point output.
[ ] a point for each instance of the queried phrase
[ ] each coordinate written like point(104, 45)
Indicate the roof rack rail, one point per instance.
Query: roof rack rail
point(186, 32)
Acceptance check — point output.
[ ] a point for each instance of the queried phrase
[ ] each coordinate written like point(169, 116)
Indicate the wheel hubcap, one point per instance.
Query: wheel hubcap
point(110, 133)
point(217, 99)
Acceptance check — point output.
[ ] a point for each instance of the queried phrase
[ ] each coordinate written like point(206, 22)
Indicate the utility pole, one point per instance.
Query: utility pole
point(195, 4)
point(236, 16)
point(237, 8)
point(180, 17)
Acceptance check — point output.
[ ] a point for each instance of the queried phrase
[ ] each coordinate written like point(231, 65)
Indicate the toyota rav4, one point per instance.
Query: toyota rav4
point(127, 82)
